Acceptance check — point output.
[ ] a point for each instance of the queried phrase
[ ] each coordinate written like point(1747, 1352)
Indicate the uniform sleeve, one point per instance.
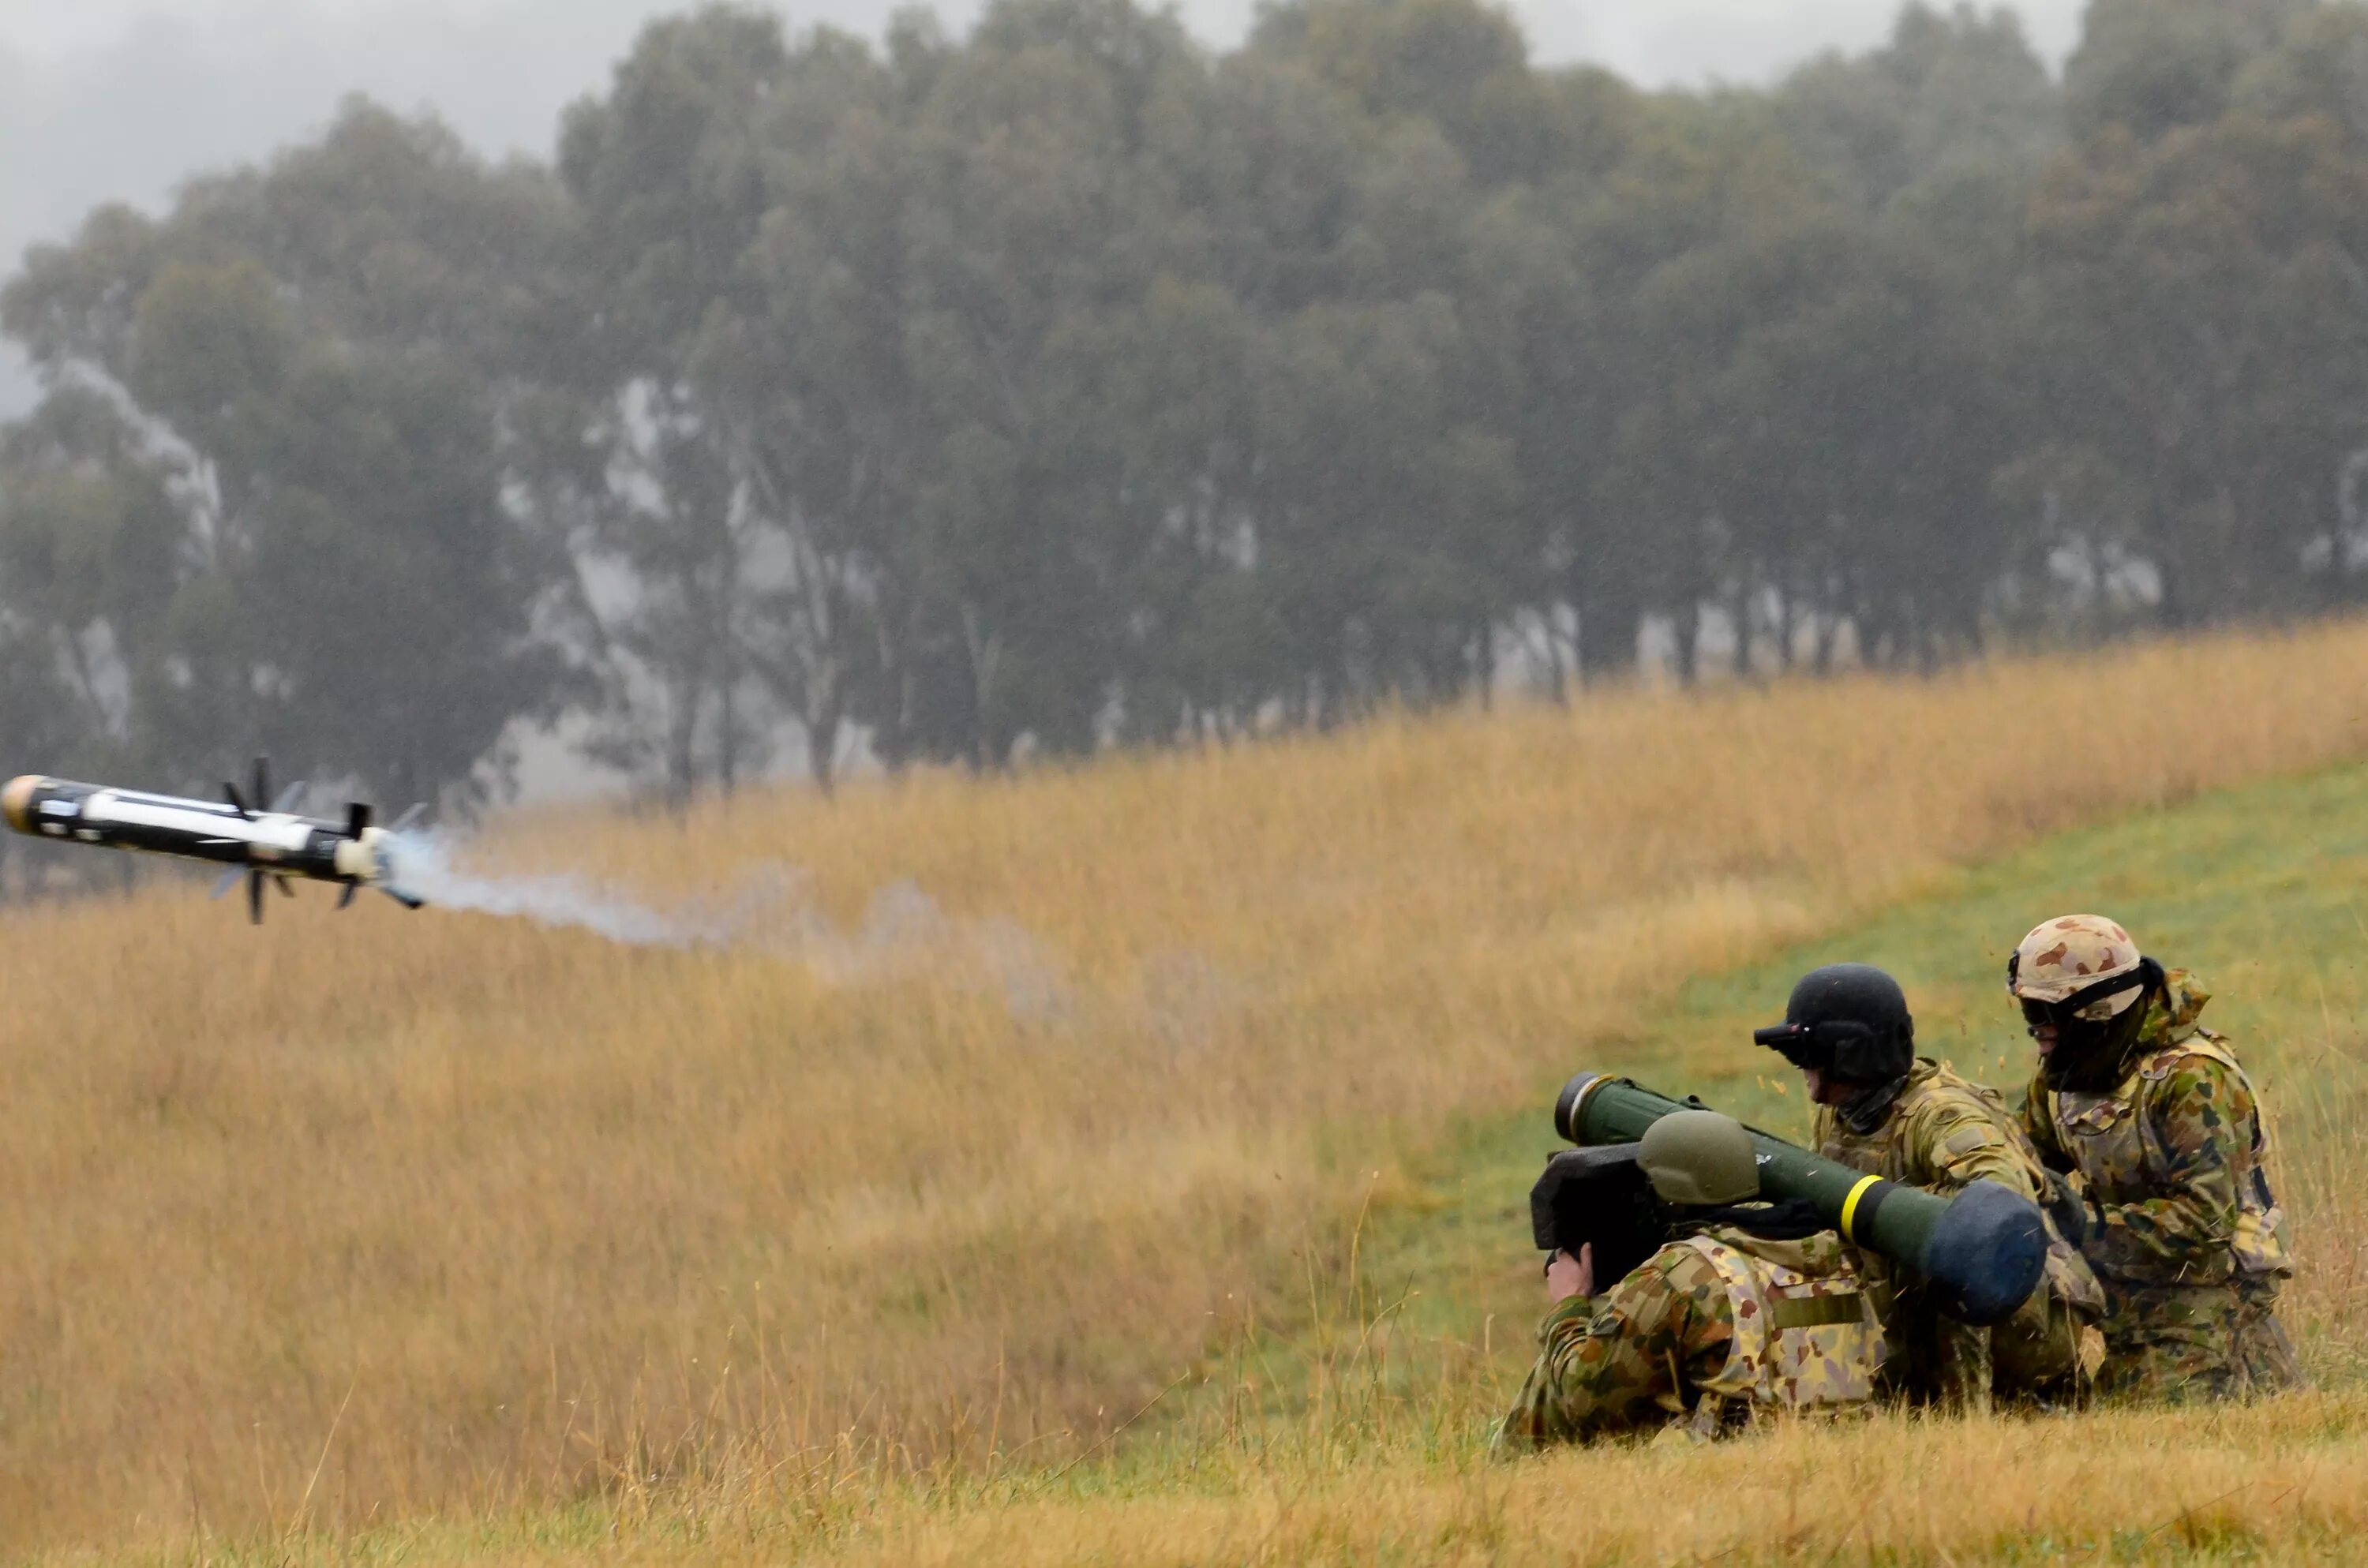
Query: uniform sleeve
point(1618, 1363)
point(2040, 1127)
point(2201, 1114)
point(1959, 1139)
point(1964, 1143)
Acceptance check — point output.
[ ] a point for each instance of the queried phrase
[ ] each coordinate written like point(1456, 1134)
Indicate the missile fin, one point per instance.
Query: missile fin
point(346, 897)
point(289, 798)
point(229, 880)
point(255, 898)
point(409, 819)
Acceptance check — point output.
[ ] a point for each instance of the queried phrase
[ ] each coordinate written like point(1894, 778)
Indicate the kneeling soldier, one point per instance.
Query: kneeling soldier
point(1751, 1308)
point(1882, 1109)
point(2158, 1118)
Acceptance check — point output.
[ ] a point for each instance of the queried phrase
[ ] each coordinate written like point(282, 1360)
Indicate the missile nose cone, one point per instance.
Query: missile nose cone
point(16, 801)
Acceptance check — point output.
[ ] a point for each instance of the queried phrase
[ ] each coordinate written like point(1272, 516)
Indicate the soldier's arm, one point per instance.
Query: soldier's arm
point(2200, 1113)
point(1966, 1142)
point(2040, 1127)
point(1610, 1365)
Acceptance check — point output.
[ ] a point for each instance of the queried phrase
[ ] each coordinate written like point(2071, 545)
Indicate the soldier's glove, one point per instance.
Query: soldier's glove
point(2069, 1207)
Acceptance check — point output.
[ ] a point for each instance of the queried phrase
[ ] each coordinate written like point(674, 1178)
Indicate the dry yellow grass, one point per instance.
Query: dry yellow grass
point(1007, 1104)
point(2271, 1484)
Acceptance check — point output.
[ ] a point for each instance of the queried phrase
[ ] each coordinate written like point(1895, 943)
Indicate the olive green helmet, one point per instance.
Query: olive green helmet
point(1700, 1157)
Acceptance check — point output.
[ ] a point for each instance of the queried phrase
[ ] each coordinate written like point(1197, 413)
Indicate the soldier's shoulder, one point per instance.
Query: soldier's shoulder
point(1690, 1269)
point(1677, 1290)
point(1687, 1260)
point(1950, 1104)
point(1947, 1089)
point(2199, 1066)
point(2195, 1097)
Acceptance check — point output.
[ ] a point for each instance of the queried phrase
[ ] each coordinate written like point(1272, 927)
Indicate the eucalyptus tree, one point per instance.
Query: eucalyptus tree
point(668, 171)
point(2210, 294)
point(266, 392)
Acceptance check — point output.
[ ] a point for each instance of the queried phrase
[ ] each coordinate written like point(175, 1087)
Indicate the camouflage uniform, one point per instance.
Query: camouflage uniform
point(1712, 1331)
point(2188, 1241)
point(1942, 1133)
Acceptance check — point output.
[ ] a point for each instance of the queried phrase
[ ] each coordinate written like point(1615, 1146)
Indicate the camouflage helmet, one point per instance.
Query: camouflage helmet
point(2077, 955)
point(1698, 1157)
point(2082, 981)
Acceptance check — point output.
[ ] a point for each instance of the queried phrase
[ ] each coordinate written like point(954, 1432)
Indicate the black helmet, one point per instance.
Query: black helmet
point(1848, 1020)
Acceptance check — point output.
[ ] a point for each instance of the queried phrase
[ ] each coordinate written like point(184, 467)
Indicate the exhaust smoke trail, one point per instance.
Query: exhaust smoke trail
point(425, 866)
point(904, 934)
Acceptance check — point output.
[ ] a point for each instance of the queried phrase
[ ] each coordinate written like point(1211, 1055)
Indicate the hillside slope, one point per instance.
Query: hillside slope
point(1011, 1104)
point(1358, 1439)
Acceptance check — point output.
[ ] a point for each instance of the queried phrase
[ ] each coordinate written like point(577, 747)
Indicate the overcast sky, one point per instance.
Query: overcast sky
point(123, 99)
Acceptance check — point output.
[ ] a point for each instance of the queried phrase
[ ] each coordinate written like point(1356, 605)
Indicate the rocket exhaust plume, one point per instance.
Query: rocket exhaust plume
point(238, 832)
point(426, 865)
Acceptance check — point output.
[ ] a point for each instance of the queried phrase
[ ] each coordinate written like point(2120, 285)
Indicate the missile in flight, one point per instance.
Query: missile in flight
point(261, 843)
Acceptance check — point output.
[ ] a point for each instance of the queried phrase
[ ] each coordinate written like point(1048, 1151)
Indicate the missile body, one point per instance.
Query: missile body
point(276, 844)
point(1982, 1251)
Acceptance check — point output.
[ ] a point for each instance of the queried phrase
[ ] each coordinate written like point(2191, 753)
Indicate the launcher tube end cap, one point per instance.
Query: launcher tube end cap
point(1987, 1254)
point(1569, 1103)
point(16, 800)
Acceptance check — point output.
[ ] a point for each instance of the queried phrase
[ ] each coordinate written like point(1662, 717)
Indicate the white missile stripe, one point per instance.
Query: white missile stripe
point(281, 833)
point(177, 802)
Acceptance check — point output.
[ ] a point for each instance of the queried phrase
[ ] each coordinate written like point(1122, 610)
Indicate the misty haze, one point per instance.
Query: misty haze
point(863, 786)
point(982, 389)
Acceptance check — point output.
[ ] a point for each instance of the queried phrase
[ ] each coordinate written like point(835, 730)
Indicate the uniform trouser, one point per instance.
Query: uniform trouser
point(2032, 1358)
point(2185, 1342)
point(2170, 1341)
point(2265, 1356)
point(2036, 1356)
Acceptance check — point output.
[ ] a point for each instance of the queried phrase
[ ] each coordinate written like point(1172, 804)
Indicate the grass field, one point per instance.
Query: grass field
point(1190, 1096)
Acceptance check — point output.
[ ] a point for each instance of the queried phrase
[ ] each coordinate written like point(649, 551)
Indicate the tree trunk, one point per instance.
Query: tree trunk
point(984, 651)
point(727, 735)
point(1605, 641)
point(1685, 655)
point(682, 757)
point(825, 713)
point(1557, 675)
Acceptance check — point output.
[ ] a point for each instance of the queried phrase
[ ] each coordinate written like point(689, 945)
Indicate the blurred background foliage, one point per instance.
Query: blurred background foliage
point(828, 403)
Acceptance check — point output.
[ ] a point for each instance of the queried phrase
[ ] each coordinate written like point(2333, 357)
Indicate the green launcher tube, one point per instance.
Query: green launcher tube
point(1983, 1251)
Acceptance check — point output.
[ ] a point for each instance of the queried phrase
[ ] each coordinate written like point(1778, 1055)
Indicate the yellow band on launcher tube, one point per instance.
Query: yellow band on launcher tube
point(1850, 1204)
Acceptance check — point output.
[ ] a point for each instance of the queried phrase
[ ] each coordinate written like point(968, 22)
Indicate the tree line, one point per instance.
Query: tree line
point(1071, 384)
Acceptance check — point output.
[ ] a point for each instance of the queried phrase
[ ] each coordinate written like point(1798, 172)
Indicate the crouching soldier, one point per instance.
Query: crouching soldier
point(1883, 1110)
point(2158, 1118)
point(1749, 1309)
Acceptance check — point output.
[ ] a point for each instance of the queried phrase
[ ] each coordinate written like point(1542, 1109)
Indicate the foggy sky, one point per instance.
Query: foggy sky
point(107, 100)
